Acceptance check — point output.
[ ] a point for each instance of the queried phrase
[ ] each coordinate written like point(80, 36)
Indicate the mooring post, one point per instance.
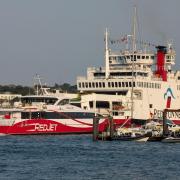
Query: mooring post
point(95, 128)
point(111, 122)
point(165, 126)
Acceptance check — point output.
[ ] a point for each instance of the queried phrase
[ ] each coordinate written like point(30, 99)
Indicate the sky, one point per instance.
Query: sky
point(59, 39)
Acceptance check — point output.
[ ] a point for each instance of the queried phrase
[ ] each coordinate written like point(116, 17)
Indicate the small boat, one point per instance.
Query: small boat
point(139, 138)
point(171, 140)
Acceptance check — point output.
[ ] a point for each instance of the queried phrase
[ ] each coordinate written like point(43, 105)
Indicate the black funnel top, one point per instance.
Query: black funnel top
point(162, 48)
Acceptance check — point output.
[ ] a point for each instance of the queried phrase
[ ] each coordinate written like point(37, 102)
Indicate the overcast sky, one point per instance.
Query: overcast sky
point(59, 39)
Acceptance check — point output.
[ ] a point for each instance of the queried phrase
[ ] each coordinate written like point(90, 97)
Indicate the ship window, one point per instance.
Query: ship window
point(138, 57)
point(152, 57)
point(133, 59)
point(100, 84)
point(134, 84)
point(143, 57)
point(119, 84)
point(116, 85)
point(93, 85)
point(130, 84)
point(127, 57)
point(122, 84)
point(79, 85)
point(109, 84)
point(112, 84)
point(147, 57)
point(126, 84)
point(99, 104)
point(96, 84)
point(79, 115)
point(103, 84)
point(90, 85)
point(83, 85)
point(86, 85)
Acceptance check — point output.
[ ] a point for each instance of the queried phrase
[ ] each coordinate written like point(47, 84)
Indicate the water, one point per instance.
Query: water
point(76, 157)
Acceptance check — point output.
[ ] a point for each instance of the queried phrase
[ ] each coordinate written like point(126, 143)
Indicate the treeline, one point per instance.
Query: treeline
point(27, 90)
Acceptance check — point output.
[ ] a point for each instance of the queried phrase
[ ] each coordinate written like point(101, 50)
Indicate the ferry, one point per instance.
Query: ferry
point(56, 116)
point(47, 113)
point(136, 84)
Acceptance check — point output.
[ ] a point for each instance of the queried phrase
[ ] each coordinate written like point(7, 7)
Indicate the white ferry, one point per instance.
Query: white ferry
point(135, 84)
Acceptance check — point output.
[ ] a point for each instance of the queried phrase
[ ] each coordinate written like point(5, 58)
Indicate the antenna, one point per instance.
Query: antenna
point(37, 78)
point(106, 54)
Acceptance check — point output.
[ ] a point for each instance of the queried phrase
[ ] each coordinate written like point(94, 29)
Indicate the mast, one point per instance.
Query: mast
point(106, 55)
point(37, 78)
point(133, 58)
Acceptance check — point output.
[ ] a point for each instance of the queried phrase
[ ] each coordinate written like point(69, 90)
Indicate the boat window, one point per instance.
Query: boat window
point(147, 57)
point(126, 84)
point(103, 84)
point(116, 85)
point(86, 85)
point(122, 84)
point(96, 84)
point(90, 85)
point(63, 102)
point(79, 85)
point(100, 84)
point(93, 85)
point(134, 84)
point(38, 99)
point(99, 104)
point(138, 57)
point(109, 84)
point(130, 84)
point(143, 57)
point(83, 85)
point(119, 84)
point(56, 115)
point(112, 84)
point(150, 106)
point(79, 115)
point(152, 57)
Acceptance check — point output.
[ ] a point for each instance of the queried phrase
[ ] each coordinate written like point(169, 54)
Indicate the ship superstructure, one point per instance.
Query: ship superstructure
point(134, 84)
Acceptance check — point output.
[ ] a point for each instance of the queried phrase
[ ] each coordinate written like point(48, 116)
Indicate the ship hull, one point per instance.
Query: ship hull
point(44, 126)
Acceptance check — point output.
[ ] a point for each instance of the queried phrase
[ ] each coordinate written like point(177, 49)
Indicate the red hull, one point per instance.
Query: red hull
point(42, 126)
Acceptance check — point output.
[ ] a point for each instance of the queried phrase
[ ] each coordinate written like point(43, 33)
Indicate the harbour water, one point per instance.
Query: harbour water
point(77, 157)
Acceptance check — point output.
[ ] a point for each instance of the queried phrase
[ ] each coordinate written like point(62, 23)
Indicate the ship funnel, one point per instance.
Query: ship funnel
point(160, 65)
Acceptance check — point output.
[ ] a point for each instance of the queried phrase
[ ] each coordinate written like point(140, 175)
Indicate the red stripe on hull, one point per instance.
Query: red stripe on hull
point(177, 122)
point(42, 126)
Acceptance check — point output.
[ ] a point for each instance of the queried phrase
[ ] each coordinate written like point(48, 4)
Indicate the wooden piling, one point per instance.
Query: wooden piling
point(165, 126)
point(111, 128)
point(95, 128)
